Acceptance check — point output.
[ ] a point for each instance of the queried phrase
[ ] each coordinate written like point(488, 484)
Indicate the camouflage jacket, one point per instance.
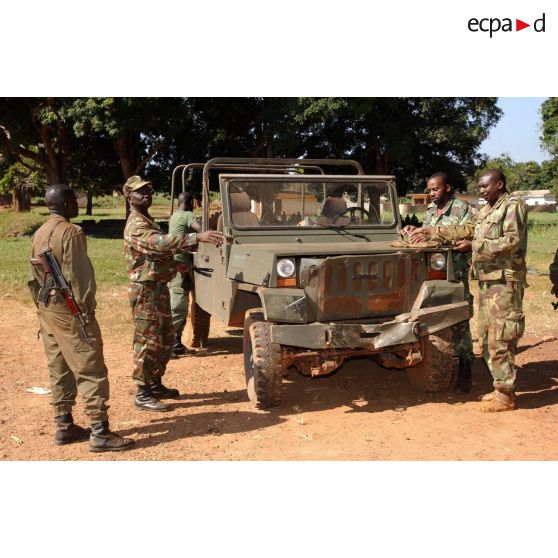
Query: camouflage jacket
point(499, 235)
point(149, 252)
point(455, 212)
point(554, 274)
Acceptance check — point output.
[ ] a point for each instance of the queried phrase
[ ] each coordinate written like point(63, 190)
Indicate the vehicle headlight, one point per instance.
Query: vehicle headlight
point(285, 267)
point(437, 262)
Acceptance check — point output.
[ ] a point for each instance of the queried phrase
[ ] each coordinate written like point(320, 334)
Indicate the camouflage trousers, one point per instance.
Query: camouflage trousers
point(179, 298)
point(501, 325)
point(461, 332)
point(154, 334)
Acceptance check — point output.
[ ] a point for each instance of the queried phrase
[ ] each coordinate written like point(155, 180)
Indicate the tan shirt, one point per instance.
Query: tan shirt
point(69, 245)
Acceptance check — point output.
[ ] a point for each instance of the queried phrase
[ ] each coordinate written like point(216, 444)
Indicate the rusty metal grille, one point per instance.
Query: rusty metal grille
point(367, 286)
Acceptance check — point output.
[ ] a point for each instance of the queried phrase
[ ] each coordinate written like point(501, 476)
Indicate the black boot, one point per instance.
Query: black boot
point(102, 439)
point(68, 432)
point(162, 392)
point(147, 401)
point(178, 349)
point(463, 384)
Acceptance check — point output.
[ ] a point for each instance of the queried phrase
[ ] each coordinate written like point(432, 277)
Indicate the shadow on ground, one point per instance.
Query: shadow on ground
point(164, 430)
point(360, 385)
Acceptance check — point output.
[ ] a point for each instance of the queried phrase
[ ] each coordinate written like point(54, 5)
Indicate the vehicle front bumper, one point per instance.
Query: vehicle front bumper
point(404, 328)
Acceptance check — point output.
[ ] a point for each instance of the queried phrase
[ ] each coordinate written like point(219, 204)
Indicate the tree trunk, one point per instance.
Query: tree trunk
point(21, 199)
point(126, 145)
point(89, 206)
point(53, 175)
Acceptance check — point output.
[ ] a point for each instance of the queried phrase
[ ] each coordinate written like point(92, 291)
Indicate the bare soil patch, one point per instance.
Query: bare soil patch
point(361, 412)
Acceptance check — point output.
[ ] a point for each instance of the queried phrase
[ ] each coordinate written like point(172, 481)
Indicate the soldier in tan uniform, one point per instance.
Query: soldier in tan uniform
point(74, 364)
point(149, 257)
point(499, 235)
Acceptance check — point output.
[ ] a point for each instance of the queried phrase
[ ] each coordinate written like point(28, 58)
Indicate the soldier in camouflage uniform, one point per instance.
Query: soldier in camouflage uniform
point(554, 275)
point(499, 234)
point(444, 210)
point(149, 257)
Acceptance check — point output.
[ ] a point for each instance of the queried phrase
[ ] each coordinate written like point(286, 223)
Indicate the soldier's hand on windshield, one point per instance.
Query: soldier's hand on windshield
point(213, 237)
point(463, 246)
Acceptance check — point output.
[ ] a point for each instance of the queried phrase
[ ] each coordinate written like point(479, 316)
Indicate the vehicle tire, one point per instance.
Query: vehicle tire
point(437, 371)
point(197, 327)
point(262, 362)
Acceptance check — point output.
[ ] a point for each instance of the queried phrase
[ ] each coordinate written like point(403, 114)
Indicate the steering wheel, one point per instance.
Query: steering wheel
point(352, 211)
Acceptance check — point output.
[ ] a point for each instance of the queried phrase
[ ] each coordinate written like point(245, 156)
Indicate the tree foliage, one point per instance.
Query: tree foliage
point(549, 115)
point(34, 132)
point(21, 183)
point(139, 129)
point(408, 137)
point(528, 175)
point(97, 143)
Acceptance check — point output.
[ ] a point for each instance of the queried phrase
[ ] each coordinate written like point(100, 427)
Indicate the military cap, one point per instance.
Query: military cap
point(134, 183)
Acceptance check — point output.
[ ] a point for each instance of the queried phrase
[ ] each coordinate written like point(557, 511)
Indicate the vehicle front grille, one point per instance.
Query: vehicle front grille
point(367, 286)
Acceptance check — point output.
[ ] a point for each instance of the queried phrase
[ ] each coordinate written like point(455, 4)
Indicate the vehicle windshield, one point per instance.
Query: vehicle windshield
point(302, 203)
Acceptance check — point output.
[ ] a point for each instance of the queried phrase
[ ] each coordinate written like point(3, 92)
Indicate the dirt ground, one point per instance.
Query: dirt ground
point(360, 412)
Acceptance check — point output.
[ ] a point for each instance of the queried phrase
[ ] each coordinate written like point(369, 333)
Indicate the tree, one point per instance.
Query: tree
point(527, 175)
point(85, 140)
point(34, 133)
point(21, 183)
point(94, 168)
point(408, 137)
point(138, 128)
point(549, 115)
point(37, 136)
point(549, 175)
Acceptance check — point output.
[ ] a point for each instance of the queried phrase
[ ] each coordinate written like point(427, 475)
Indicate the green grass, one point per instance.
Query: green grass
point(543, 219)
point(107, 255)
point(541, 247)
point(18, 224)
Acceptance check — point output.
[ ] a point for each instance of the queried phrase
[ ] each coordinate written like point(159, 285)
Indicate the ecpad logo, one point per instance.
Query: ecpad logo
point(494, 24)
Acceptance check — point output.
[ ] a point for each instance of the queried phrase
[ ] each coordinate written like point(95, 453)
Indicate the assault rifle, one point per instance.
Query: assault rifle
point(47, 260)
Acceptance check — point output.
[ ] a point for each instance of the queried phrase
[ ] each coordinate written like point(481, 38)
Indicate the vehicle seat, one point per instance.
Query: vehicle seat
point(240, 210)
point(333, 207)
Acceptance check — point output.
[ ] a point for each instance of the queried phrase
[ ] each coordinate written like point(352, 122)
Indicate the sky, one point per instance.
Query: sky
point(518, 131)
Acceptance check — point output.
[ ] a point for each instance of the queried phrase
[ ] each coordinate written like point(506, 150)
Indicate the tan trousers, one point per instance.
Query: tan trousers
point(74, 365)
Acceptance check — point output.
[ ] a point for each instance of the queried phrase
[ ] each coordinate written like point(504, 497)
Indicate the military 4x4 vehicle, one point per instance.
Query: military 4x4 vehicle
point(309, 270)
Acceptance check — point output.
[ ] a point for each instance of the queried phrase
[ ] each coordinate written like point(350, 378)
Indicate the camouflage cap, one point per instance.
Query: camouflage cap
point(134, 183)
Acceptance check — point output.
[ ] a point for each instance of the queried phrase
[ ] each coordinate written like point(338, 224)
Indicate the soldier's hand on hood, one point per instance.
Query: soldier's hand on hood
point(407, 230)
point(421, 234)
